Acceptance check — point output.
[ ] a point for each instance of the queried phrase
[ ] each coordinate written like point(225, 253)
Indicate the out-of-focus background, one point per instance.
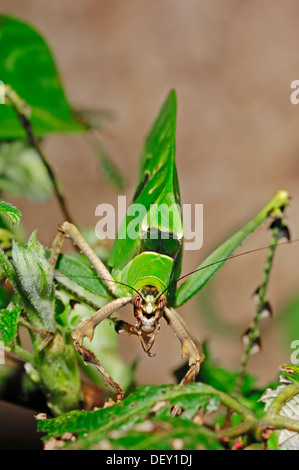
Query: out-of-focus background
point(231, 64)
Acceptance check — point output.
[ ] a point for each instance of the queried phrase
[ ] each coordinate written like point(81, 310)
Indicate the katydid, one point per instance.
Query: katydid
point(145, 262)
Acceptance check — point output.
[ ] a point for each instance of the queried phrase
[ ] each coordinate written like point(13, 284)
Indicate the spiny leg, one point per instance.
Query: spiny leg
point(70, 231)
point(86, 329)
point(190, 347)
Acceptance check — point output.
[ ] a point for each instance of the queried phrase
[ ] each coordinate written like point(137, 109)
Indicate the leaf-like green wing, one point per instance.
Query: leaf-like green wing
point(214, 262)
point(28, 67)
point(158, 185)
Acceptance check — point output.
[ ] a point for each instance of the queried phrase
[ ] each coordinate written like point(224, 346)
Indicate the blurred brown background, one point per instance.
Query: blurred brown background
point(231, 64)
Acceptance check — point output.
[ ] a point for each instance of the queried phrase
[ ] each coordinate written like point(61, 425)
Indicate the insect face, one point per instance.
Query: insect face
point(148, 308)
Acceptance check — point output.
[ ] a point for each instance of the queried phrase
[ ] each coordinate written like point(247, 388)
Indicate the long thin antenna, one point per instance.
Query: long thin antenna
point(92, 277)
point(222, 261)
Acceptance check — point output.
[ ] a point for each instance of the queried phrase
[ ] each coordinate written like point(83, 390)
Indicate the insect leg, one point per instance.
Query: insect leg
point(70, 231)
point(190, 346)
point(86, 329)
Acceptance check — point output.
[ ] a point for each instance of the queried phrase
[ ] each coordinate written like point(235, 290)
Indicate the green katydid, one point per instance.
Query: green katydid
point(144, 269)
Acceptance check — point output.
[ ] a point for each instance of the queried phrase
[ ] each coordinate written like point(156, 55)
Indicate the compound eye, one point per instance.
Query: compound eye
point(137, 301)
point(161, 302)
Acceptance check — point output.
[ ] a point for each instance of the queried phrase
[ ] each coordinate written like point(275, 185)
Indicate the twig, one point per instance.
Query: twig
point(252, 335)
point(22, 111)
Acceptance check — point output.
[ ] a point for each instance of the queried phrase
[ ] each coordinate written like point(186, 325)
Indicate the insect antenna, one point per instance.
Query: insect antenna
point(92, 277)
point(222, 260)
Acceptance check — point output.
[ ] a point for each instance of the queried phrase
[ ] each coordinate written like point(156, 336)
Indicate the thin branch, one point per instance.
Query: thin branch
point(22, 111)
point(252, 335)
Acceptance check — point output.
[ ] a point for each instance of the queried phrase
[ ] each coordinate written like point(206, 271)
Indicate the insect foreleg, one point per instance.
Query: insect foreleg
point(70, 231)
point(190, 346)
point(86, 329)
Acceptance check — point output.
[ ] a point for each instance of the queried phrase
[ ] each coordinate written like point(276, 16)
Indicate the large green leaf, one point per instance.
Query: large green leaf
point(124, 425)
point(214, 262)
point(11, 211)
point(27, 65)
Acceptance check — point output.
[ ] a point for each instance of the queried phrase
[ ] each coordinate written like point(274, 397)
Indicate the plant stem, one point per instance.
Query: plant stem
point(22, 111)
point(252, 335)
point(22, 353)
point(286, 394)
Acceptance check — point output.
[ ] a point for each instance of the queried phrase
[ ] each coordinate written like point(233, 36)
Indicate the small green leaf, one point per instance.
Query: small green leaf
point(82, 274)
point(9, 318)
point(290, 372)
point(11, 211)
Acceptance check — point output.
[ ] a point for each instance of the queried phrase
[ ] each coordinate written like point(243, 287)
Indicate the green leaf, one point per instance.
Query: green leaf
point(22, 173)
point(28, 67)
point(32, 278)
point(9, 319)
point(290, 372)
point(11, 211)
point(163, 435)
point(124, 421)
point(82, 274)
point(225, 380)
point(214, 262)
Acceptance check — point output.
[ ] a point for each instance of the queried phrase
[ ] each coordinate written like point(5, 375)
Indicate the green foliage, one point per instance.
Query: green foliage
point(9, 319)
point(36, 81)
point(22, 172)
point(290, 372)
point(51, 305)
point(83, 275)
point(211, 264)
point(33, 279)
point(12, 212)
point(141, 421)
